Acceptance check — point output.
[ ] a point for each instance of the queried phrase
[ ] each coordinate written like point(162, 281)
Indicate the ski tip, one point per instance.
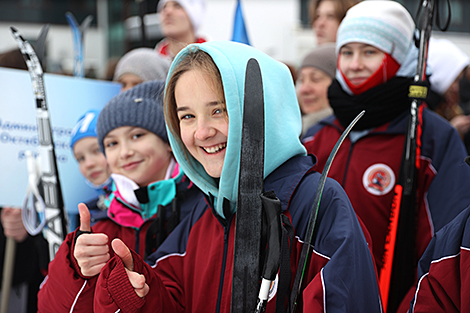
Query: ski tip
point(44, 30)
point(86, 22)
point(71, 19)
point(13, 29)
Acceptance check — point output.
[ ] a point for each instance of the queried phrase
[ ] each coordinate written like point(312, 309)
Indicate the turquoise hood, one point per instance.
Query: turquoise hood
point(282, 118)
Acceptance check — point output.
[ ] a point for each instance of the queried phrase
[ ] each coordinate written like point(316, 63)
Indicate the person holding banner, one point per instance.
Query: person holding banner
point(150, 196)
point(180, 21)
point(377, 60)
point(192, 270)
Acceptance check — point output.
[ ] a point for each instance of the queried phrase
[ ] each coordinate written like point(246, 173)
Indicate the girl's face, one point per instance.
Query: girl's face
point(312, 89)
point(325, 24)
point(358, 61)
point(203, 120)
point(137, 153)
point(174, 20)
point(91, 161)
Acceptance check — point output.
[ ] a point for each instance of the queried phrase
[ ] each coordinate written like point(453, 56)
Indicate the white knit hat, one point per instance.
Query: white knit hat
point(194, 8)
point(384, 24)
point(446, 62)
point(143, 62)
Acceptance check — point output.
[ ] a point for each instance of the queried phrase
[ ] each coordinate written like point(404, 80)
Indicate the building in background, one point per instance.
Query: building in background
point(278, 27)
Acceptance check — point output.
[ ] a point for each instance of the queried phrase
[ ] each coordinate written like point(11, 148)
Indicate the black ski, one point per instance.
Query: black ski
point(246, 259)
point(56, 226)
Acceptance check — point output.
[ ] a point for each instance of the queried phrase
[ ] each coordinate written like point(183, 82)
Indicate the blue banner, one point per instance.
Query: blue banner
point(67, 98)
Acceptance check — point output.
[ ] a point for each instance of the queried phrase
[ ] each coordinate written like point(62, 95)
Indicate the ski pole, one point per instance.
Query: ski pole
point(398, 270)
point(302, 264)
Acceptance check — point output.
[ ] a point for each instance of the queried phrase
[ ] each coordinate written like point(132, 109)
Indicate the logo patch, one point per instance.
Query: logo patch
point(378, 179)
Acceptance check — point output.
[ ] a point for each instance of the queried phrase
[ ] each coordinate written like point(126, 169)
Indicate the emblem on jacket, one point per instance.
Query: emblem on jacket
point(378, 179)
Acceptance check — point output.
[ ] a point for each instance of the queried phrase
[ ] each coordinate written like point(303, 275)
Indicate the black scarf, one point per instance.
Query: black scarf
point(382, 103)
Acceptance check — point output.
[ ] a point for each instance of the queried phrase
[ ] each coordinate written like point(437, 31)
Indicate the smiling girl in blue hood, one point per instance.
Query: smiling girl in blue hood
point(192, 269)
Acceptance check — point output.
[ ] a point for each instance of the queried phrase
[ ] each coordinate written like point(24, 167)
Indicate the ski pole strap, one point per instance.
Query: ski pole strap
point(272, 255)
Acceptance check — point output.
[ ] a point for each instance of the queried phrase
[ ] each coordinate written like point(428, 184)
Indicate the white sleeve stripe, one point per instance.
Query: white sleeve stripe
point(417, 290)
point(324, 289)
point(167, 256)
point(313, 248)
point(78, 295)
point(446, 258)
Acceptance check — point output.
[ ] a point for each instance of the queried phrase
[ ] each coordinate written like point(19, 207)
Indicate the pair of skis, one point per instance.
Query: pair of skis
point(78, 32)
point(43, 182)
point(49, 183)
point(49, 202)
point(252, 202)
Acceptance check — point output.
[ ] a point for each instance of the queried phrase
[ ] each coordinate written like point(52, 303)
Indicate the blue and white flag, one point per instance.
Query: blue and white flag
point(239, 29)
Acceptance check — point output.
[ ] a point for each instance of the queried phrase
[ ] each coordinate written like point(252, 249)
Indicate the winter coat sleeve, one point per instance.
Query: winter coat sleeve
point(114, 290)
point(341, 273)
point(65, 289)
point(443, 279)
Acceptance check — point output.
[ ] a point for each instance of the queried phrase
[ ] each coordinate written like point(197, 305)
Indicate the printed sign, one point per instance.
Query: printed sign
point(67, 98)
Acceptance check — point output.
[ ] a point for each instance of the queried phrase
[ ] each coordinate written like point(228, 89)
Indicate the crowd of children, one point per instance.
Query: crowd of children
point(165, 157)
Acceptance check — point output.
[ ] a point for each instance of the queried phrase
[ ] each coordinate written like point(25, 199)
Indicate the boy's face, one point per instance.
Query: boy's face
point(174, 20)
point(326, 23)
point(137, 153)
point(91, 161)
point(203, 120)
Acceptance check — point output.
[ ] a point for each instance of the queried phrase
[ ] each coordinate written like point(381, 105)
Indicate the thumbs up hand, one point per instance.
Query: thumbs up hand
point(137, 280)
point(91, 250)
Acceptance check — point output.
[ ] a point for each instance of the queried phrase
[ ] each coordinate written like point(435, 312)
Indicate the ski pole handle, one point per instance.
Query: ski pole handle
point(272, 259)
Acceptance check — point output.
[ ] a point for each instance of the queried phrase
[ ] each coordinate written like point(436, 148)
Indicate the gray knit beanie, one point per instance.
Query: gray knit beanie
point(140, 106)
point(143, 62)
point(323, 58)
